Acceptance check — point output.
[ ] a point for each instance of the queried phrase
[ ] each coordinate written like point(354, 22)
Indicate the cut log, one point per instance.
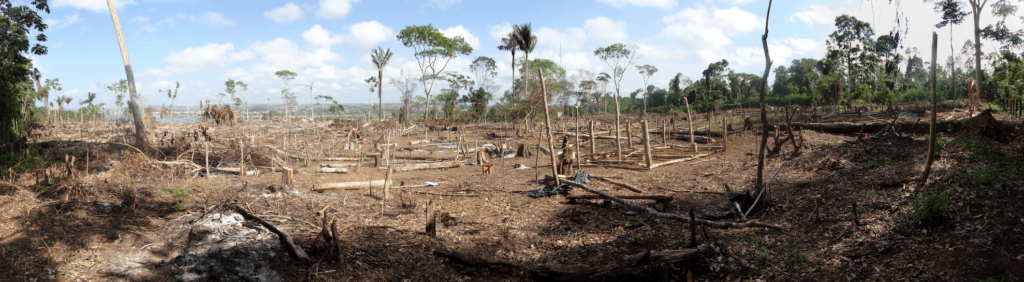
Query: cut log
point(346, 185)
point(660, 199)
point(438, 165)
point(332, 170)
point(679, 160)
point(339, 165)
point(904, 127)
point(417, 142)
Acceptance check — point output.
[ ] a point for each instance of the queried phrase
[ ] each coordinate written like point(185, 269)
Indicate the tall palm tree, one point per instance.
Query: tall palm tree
point(525, 41)
point(509, 44)
point(381, 58)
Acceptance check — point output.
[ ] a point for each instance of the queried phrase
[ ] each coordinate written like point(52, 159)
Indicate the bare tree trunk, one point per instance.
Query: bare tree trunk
point(141, 141)
point(931, 136)
point(547, 121)
point(759, 182)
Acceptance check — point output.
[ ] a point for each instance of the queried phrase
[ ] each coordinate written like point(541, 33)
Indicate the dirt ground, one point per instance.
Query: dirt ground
point(84, 228)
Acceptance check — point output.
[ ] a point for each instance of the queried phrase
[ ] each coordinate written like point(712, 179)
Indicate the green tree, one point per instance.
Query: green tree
point(16, 24)
point(619, 57)
point(380, 58)
point(433, 51)
point(952, 14)
point(88, 101)
point(646, 71)
point(849, 41)
point(286, 93)
point(485, 69)
point(170, 94)
point(526, 42)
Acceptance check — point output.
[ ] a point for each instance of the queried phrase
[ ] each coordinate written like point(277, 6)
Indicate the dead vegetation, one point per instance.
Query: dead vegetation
point(228, 200)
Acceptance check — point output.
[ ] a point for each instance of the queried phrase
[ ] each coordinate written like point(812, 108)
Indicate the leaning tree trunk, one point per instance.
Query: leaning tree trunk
point(140, 128)
point(931, 136)
point(759, 182)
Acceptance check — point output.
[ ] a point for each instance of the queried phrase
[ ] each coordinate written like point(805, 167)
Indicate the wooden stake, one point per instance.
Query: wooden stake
point(207, 145)
point(593, 139)
point(431, 229)
point(725, 134)
point(547, 120)
point(387, 186)
point(578, 149)
point(629, 134)
point(689, 121)
point(647, 144)
point(241, 162)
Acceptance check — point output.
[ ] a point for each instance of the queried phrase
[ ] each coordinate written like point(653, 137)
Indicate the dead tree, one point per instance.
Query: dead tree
point(759, 181)
point(931, 135)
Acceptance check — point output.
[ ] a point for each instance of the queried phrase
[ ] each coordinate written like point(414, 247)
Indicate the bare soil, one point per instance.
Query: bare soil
point(80, 228)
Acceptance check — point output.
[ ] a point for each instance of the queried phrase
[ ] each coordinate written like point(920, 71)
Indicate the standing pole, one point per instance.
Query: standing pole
point(140, 128)
point(689, 122)
point(931, 137)
point(647, 143)
point(547, 121)
point(578, 151)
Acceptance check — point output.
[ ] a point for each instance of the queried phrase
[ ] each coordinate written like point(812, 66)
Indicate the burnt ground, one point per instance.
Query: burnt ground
point(81, 228)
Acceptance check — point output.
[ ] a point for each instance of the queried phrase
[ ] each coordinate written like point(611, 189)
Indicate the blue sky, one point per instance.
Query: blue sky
point(327, 42)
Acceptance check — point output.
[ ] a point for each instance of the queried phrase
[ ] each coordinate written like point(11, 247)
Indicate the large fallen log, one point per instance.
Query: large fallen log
point(319, 187)
point(660, 199)
point(340, 165)
point(708, 223)
point(908, 126)
point(438, 165)
point(332, 170)
point(679, 160)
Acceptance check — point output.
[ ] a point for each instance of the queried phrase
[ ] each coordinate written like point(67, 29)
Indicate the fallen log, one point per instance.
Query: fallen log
point(332, 170)
point(286, 240)
point(630, 187)
point(903, 127)
point(346, 185)
point(661, 199)
point(339, 165)
point(708, 223)
point(679, 161)
point(438, 165)
point(336, 159)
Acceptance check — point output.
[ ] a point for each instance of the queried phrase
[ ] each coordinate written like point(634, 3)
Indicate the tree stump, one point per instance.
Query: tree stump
point(565, 163)
point(522, 151)
point(488, 169)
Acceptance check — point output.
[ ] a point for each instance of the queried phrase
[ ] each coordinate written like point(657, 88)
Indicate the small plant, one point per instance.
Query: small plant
point(993, 173)
point(872, 164)
point(833, 142)
point(930, 207)
point(180, 196)
point(127, 192)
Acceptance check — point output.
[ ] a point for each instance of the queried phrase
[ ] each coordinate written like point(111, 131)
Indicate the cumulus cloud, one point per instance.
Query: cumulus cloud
point(661, 4)
point(366, 34)
point(605, 30)
point(335, 9)
point(217, 19)
point(501, 30)
point(94, 5)
point(814, 14)
point(466, 35)
point(195, 58)
point(67, 21)
point(703, 30)
point(284, 14)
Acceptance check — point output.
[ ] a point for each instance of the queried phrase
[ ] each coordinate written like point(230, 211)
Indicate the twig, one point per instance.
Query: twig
point(286, 240)
point(630, 187)
point(765, 190)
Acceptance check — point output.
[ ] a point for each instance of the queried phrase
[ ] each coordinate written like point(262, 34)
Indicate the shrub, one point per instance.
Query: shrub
point(127, 193)
point(930, 206)
point(180, 197)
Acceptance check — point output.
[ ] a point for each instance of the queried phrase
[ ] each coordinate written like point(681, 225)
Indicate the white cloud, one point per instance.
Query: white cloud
point(814, 14)
point(366, 34)
point(335, 9)
point(140, 19)
point(466, 35)
point(217, 19)
point(149, 28)
point(212, 18)
point(570, 41)
point(704, 31)
point(94, 5)
point(662, 4)
point(285, 14)
point(442, 4)
point(605, 30)
point(195, 58)
point(67, 21)
point(501, 30)
point(319, 37)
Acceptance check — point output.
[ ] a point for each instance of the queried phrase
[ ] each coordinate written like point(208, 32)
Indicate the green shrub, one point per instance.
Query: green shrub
point(993, 173)
point(180, 197)
point(930, 206)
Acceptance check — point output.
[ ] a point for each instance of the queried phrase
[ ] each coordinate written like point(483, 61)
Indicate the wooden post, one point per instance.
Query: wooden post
point(547, 120)
point(431, 229)
point(689, 121)
point(578, 151)
point(387, 186)
point(241, 162)
point(207, 146)
point(647, 144)
point(593, 139)
point(725, 134)
point(664, 133)
point(629, 134)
